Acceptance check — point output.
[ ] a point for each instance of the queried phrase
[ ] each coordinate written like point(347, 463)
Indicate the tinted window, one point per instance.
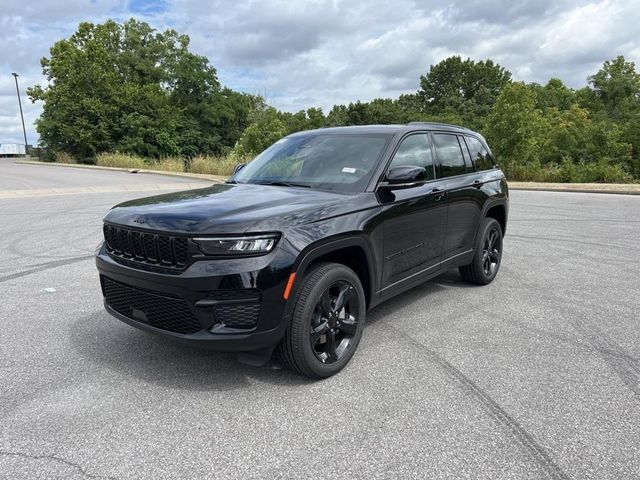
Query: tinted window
point(465, 154)
point(323, 160)
point(415, 151)
point(449, 155)
point(482, 159)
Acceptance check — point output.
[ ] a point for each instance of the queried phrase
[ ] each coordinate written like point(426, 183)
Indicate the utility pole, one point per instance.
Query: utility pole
point(24, 130)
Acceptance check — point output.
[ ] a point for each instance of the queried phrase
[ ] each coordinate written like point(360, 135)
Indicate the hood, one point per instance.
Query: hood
point(228, 208)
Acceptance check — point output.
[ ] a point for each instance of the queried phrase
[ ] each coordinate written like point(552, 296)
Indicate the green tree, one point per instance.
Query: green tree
point(128, 87)
point(617, 85)
point(265, 129)
point(315, 118)
point(462, 87)
point(410, 104)
point(338, 116)
point(571, 134)
point(514, 125)
point(554, 95)
point(616, 90)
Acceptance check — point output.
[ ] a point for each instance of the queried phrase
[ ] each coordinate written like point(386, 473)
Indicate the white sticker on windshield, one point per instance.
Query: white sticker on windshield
point(349, 170)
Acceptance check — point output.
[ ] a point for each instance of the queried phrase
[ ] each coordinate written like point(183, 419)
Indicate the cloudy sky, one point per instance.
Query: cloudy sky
point(318, 53)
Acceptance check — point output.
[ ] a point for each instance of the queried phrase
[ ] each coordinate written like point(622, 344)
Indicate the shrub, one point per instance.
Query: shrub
point(592, 172)
point(64, 157)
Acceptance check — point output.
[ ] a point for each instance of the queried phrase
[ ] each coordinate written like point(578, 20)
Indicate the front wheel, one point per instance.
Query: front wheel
point(486, 261)
point(327, 322)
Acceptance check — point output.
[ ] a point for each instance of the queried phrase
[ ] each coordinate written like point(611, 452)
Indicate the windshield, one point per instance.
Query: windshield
point(340, 162)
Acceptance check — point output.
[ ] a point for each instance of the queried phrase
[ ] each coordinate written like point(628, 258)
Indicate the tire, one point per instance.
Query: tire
point(486, 261)
point(322, 338)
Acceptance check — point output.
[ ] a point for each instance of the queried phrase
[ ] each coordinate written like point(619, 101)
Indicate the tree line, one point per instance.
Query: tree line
point(129, 88)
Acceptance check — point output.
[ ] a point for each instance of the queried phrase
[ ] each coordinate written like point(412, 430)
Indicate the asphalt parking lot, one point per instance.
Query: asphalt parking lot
point(534, 376)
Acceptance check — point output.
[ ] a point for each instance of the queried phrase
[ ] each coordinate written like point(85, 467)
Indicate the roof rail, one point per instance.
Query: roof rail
point(440, 124)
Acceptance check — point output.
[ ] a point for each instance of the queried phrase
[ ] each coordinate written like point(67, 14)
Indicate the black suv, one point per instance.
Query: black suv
point(298, 244)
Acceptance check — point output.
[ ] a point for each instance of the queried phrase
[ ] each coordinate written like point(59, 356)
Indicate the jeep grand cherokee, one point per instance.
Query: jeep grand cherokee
point(298, 244)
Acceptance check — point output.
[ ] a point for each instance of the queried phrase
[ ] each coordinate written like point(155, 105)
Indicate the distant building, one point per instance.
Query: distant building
point(12, 150)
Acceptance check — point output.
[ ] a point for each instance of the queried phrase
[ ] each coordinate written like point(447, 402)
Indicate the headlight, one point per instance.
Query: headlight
point(247, 244)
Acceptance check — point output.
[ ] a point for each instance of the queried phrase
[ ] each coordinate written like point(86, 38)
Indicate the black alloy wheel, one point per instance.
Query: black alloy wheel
point(488, 254)
point(335, 322)
point(327, 321)
point(491, 251)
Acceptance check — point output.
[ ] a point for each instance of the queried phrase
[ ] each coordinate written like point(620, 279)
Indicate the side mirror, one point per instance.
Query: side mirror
point(404, 177)
point(238, 167)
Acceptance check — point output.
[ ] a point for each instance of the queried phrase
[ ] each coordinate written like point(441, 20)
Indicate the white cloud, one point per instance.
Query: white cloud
point(324, 52)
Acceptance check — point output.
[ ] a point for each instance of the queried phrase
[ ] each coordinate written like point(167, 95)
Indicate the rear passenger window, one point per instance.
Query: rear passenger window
point(414, 151)
point(449, 154)
point(482, 159)
point(465, 154)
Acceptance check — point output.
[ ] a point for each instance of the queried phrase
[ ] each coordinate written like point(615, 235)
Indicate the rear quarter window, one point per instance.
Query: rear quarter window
point(480, 156)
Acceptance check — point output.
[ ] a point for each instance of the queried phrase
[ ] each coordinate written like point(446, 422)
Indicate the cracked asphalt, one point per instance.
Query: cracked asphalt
point(534, 376)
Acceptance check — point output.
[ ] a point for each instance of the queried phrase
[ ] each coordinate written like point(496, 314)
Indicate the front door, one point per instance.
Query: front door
point(414, 219)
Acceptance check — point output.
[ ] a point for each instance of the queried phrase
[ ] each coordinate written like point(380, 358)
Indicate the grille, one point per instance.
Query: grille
point(237, 308)
point(237, 315)
point(160, 311)
point(163, 250)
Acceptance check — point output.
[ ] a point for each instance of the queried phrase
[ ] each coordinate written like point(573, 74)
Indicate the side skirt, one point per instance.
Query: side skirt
point(401, 286)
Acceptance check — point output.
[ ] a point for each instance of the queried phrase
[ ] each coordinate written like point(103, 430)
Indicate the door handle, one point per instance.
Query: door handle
point(438, 194)
point(478, 184)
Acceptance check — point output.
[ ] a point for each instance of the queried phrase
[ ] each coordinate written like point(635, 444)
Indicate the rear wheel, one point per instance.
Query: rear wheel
point(327, 322)
point(486, 261)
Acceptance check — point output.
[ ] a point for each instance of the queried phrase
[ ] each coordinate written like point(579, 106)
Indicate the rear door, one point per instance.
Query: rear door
point(464, 198)
point(414, 219)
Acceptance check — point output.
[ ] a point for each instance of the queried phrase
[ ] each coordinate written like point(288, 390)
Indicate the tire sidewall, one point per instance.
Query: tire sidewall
point(304, 313)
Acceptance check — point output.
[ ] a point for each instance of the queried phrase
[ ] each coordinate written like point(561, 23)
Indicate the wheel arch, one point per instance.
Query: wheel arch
point(494, 207)
point(497, 210)
point(354, 251)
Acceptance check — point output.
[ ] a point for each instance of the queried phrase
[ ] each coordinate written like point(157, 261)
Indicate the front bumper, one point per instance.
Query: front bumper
point(233, 304)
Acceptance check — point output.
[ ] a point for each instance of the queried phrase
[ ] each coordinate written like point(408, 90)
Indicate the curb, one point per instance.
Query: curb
point(201, 176)
point(614, 189)
point(575, 190)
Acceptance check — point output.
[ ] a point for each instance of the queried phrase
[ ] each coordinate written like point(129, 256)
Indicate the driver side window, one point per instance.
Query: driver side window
point(415, 151)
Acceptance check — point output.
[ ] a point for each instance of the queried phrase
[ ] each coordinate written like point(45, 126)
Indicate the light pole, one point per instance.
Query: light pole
point(24, 130)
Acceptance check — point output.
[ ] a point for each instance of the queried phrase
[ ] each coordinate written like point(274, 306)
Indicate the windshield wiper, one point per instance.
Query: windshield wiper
point(281, 183)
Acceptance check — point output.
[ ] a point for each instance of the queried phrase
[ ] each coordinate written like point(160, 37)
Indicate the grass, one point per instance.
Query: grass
point(209, 165)
point(216, 165)
point(168, 164)
point(120, 160)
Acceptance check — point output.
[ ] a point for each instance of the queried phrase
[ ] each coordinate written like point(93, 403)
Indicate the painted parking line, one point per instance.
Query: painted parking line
point(47, 192)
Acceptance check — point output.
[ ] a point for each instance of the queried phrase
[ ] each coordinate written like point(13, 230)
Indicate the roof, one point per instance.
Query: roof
point(388, 129)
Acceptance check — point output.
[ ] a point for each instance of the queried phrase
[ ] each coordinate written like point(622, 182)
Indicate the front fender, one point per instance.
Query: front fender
point(326, 246)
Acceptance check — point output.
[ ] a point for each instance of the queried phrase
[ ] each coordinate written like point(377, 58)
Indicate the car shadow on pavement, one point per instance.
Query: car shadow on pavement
point(104, 340)
point(448, 279)
point(107, 342)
